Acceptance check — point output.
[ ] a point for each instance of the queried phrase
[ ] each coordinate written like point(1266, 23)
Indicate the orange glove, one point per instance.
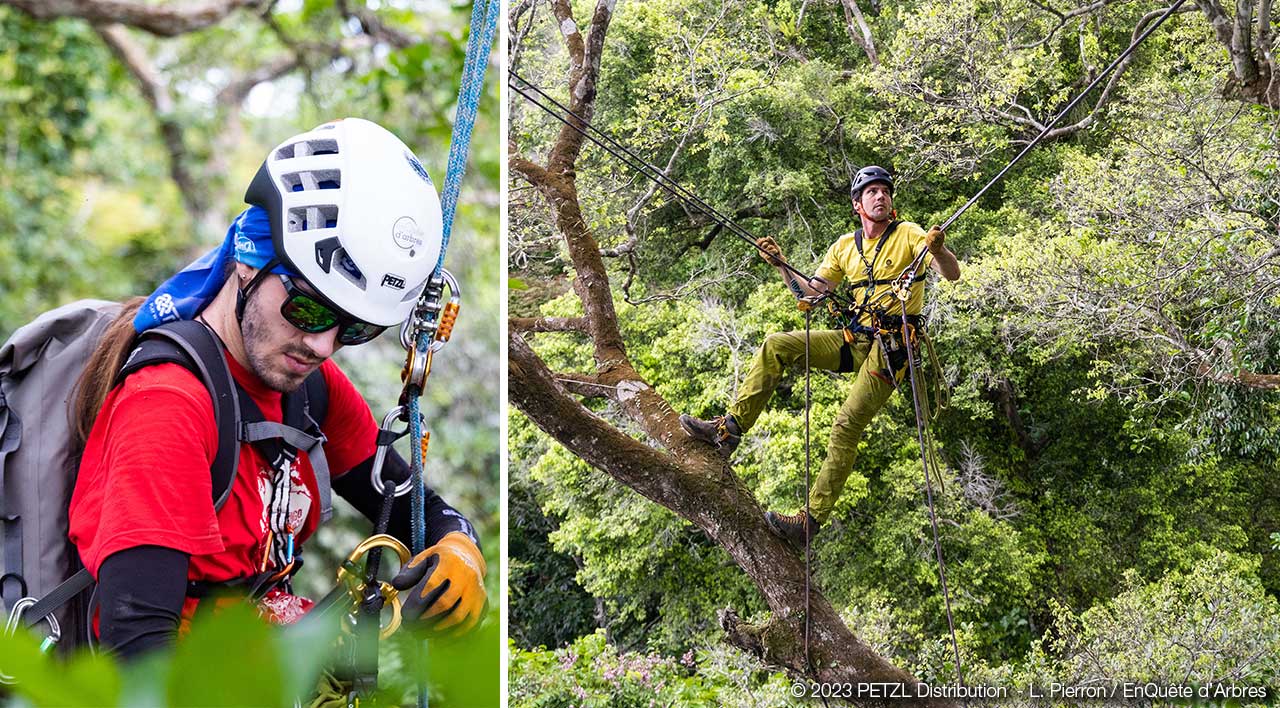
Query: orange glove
point(770, 251)
point(936, 240)
point(444, 583)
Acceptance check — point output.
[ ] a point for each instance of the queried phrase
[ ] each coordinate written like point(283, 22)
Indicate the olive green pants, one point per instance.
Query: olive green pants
point(867, 395)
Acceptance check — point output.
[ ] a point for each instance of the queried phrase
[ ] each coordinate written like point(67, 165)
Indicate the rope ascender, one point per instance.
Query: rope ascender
point(848, 313)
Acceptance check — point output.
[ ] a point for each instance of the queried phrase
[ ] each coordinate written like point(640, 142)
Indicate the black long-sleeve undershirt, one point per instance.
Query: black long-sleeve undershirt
point(355, 487)
point(140, 595)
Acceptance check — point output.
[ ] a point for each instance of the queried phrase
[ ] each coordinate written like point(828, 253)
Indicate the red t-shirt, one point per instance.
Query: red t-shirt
point(144, 478)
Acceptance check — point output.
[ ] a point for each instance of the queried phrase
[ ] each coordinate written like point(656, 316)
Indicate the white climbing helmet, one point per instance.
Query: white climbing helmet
point(355, 213)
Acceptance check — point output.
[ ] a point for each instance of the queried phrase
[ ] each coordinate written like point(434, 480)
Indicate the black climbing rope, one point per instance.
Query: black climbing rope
point(808, 403)
point(908, 331)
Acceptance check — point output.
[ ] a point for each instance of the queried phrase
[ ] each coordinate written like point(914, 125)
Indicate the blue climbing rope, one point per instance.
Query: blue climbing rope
point(484, 24)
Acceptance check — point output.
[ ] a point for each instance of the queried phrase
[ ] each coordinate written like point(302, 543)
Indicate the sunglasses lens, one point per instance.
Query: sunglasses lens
point(307, 314)
point(359, 333)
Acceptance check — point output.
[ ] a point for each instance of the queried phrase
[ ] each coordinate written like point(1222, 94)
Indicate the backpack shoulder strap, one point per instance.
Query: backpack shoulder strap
point(304, 410)
point(196, 348)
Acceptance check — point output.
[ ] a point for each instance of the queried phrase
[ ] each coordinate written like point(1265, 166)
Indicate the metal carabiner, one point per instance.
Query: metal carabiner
point(389, 594)
point(380, 457)
point(11, 628)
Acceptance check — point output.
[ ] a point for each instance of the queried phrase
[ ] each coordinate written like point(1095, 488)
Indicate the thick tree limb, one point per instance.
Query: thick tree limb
point(1253, 67)
point(1248, 379)
point(525, 168)
point(549, 324)
point(701, 489)
point(165, 20)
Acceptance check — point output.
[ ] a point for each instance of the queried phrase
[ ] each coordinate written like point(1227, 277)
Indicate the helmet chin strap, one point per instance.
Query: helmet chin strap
point(893, 214)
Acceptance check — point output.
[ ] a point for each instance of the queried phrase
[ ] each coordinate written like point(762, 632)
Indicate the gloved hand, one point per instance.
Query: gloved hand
point(936, 240)
point(770, 251)
point(444, 583)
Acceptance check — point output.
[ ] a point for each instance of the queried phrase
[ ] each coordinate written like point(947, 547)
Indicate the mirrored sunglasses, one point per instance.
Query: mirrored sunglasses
point(310, 314)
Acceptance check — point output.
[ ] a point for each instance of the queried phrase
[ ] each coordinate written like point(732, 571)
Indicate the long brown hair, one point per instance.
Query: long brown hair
point(99, 375)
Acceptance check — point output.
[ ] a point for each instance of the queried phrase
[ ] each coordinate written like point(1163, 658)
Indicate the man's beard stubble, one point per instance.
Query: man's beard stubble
point(255, 336)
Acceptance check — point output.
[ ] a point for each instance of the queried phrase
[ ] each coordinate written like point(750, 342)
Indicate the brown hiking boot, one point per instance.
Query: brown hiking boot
point(721, 431)
point(792, 528)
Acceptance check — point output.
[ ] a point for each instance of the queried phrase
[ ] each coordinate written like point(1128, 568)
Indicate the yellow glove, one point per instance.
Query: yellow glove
point(770, 251)
point(444, 583)
point(936, 240)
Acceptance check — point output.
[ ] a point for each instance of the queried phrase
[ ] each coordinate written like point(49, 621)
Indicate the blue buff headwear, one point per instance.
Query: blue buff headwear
point(184, 295)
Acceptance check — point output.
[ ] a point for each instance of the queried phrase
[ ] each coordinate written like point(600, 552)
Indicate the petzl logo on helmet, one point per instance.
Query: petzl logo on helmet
point(417, 167)
point(393, 281)
point(406, 234)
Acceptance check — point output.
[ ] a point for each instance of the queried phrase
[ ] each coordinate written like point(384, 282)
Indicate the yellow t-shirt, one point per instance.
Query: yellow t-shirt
point(896, 250)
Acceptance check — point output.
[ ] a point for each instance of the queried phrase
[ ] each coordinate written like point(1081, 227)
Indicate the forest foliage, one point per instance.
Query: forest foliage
point(1110, 474)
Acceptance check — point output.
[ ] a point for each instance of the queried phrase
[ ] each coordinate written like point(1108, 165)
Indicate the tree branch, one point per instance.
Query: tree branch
point(373, 26)
point(158, 97)
point(705, 491)
point(549, 324)
point(165, 20)
point(1248, 379)
point(861, 34)
point(530, 171)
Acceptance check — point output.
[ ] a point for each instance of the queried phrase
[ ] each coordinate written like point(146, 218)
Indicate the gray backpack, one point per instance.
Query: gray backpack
point(43, 579)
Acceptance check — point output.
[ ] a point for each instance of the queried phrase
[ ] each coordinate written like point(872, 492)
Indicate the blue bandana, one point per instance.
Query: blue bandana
point(183, 296)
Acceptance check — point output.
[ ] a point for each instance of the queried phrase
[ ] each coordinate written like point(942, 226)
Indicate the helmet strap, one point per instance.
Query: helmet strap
point(242, 294)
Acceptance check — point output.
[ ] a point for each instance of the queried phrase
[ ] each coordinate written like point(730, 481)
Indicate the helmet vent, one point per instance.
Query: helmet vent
point(308, 181)
point(348, 269)
point(303, 148)
point(312, 218)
